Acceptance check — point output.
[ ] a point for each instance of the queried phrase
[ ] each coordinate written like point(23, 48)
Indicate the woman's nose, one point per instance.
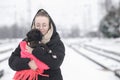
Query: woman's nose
point(40, 27)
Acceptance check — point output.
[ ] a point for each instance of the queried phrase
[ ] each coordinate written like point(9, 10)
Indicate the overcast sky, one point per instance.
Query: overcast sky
point(84, 13)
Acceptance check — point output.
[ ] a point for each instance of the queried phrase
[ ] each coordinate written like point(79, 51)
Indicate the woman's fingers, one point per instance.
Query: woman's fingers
point(32, 65)
point(29, 49)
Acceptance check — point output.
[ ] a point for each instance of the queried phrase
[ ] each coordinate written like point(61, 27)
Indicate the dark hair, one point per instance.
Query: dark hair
point(33, 37)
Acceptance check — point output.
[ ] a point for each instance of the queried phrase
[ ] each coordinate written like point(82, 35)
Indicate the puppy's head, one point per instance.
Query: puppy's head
point(33, 37)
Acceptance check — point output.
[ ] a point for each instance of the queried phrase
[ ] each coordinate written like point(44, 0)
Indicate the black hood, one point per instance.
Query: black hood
point(51, 21)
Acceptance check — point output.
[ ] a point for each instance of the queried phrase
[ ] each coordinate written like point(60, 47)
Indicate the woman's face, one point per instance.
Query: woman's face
point(42, 24)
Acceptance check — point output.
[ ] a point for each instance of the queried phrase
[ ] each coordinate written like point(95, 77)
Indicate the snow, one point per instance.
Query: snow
point(75, 66)
point(83, 13)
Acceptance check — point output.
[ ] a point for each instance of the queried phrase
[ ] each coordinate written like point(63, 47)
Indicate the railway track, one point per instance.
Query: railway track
point(1, 73)
point(106, 59)
point(7, 50)
point(4, 55)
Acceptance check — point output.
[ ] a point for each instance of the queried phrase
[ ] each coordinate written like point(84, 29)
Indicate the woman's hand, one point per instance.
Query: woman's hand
point(29, 49)
point(32, 65)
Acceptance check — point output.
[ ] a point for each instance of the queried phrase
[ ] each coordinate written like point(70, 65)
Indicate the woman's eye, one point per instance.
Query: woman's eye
point(37, 26)
point(44, 25)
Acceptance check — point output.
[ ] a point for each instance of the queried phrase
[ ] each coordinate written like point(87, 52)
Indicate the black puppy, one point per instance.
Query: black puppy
point(34, 36)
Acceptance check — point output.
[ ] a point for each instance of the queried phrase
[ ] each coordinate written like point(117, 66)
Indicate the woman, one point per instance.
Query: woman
point(43, 22)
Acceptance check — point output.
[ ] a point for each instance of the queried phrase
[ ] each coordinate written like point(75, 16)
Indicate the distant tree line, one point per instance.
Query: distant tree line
point(13, 31)
point(16, 31)
point(72, 32)
point(110, 24)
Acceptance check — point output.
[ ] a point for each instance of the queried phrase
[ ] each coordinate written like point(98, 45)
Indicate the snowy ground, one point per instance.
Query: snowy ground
point(75, 66)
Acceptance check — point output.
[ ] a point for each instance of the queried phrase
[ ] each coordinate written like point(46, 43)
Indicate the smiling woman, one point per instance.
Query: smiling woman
point(53, 59)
